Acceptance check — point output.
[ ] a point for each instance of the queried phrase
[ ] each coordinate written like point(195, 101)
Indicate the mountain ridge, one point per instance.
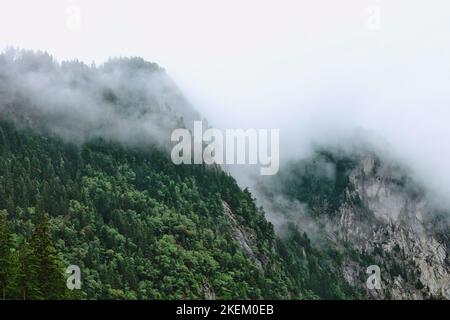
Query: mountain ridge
point(84, 149)
point(372, 210)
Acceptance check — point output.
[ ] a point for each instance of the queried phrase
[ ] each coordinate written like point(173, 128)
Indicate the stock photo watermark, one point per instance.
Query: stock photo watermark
point(233, 146)
point(73, 21)
point(374, 280)
point(373, 22)
point(74, 278)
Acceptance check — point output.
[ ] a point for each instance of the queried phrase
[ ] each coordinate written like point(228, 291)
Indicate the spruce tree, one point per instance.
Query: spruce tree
point(27, 282)
point(5, 255)
point(49, 273)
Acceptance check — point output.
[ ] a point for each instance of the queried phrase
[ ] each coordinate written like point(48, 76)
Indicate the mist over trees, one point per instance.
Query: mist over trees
point(138, 226)
point(126, 99)
point(78, 188)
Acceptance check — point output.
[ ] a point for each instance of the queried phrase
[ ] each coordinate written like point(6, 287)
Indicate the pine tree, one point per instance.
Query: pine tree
point(27, 282)
point(5, 254)
point(49, 274)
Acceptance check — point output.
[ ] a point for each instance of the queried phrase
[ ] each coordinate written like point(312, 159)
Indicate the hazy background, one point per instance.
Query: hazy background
point(318, 70)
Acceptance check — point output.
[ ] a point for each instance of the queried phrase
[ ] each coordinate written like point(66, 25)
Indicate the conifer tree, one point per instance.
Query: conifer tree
point(5, 255)
point(49, 274)
point(26, 278)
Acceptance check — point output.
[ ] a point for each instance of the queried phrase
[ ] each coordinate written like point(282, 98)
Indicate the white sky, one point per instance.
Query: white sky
point(307, 67)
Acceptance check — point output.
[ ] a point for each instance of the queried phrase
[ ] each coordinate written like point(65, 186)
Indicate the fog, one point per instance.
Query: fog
point(126, 100)
point(322, 72)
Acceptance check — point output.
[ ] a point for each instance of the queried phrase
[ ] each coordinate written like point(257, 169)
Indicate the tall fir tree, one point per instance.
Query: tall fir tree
point(26, 274)
point(49, 273)
point(5, 255)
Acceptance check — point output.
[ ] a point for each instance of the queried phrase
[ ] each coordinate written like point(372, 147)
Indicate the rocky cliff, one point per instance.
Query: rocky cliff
point(374, 212)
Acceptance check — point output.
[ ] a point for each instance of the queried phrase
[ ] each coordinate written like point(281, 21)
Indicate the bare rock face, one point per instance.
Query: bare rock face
point(245, 238)
point(390, 221)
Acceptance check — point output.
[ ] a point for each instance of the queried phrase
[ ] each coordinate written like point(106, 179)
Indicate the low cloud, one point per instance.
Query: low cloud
point(126, 99)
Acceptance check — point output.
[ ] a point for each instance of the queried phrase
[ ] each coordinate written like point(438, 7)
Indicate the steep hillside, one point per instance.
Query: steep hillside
point(137, 225)
point(86, 180)
point(374, 213)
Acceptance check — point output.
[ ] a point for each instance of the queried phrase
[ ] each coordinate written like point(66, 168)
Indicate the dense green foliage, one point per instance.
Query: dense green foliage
point(140, 227)
point(320, 182)
point(32, 270)
point(315, 267)
point(137, 225)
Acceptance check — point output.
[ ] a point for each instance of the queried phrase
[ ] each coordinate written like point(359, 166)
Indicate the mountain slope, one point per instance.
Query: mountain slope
point(375, 214)
point(87, 146)
point(137, 225)
point(86, 179)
